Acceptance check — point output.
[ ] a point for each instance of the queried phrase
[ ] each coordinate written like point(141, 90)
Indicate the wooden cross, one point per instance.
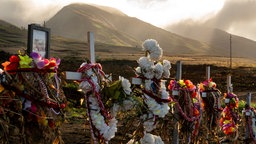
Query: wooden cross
point(77, 75)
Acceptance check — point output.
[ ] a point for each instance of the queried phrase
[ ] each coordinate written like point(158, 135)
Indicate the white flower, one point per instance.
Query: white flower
point(157, 109)
point(126, 85)
point(128, 104)
point(138, 70)
point(149, 123)
point(1, 71)
point(149, 74)
point(114, 109)
point(148, 84)
point(151, 139)
point(145, 63)
point(147, 139)
point(158, 70)
point(155, 52)
point(167, 66)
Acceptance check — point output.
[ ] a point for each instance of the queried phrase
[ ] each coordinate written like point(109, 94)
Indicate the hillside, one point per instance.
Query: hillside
point(241, 47)
point(11, 35)
point(113, 27)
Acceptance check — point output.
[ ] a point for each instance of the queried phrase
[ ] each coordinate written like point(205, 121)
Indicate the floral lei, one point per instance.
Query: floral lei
point(189, 86)
point(229, 117)
point(155, 96)
point(103, 123)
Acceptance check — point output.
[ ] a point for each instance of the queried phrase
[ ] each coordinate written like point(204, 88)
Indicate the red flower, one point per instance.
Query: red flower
point(14, 59)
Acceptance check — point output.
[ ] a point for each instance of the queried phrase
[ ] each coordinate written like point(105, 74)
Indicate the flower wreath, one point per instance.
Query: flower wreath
point(35, 82)
point(99, 95)
point(153, 88)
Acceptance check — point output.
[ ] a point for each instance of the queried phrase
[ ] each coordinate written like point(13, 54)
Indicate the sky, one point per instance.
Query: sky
point(234, 16)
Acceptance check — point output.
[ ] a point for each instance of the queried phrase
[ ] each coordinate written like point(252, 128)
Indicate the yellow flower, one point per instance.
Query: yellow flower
point(182, 83)
point(25, 61)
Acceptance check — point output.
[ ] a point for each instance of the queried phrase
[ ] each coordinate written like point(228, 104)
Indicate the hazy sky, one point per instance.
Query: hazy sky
point(235, 16)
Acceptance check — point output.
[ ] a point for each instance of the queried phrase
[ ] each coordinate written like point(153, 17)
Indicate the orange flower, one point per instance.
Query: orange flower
point(5, 64)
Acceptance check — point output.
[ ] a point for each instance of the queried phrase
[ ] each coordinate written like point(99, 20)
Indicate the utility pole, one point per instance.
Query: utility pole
point(230, 50)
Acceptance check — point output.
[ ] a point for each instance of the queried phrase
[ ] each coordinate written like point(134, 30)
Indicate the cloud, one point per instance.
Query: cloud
point(23, 12)
point(234, 12)
point(236, 17)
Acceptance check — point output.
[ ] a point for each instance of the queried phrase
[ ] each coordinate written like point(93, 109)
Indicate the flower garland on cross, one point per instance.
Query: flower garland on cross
point(189, 105)
point(152, 73)
point(230, 117)
point(103, 100)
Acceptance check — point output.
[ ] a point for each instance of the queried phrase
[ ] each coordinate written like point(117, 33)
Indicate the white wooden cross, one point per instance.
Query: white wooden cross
point(69, 75)
point(77, 75)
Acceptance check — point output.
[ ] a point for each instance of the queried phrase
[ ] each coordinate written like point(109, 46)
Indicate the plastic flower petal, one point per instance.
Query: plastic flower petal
point(5, 64)
point(25, 61)
point(14, 59)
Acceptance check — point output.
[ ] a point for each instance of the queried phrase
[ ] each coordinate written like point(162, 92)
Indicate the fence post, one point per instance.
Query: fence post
point(175, 139)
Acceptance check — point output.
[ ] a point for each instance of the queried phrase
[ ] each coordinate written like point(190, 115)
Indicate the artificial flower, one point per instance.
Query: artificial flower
point(5, 64)
point(158, 69)
point(167, 66)
point(145, 63)
point(151, 139)
point(151, 46)
point(126, 85)
point(14, 59)
point(25, 61)
point(128, 104)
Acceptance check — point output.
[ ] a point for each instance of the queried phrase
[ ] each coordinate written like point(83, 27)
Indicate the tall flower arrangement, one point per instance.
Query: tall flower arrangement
point(154, 94)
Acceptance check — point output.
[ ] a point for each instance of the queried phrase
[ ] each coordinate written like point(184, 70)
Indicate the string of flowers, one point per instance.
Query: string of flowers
point(155, 96)
point(186, 85)
point(103, 126)
point(229, 117)
point(188, 104)
point(211, 103)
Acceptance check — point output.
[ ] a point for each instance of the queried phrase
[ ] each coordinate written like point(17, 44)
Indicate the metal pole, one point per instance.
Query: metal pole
point(90, 37)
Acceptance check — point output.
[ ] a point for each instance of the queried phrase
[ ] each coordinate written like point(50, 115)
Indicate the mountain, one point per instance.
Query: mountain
point(11, 36)
point(111, 26)
point(221, 40)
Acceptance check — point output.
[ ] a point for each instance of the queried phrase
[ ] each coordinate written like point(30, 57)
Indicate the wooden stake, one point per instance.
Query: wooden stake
point(208, 72)
point(229, 85)
point(90, 37)
point(175, 139)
